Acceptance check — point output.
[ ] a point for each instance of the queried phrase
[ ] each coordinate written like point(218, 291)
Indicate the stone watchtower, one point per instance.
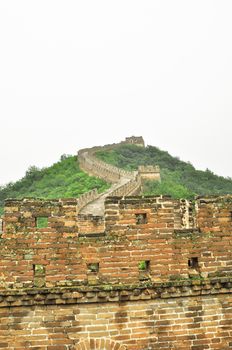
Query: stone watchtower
point(135, 140)
point(149, 172)
point(145, 172)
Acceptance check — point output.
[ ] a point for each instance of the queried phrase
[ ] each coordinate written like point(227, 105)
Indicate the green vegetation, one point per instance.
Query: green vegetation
point(179, 179)
point(39, 270)
point(63, 179)
point(93, 267)
point(143, 265)
point(42, 222)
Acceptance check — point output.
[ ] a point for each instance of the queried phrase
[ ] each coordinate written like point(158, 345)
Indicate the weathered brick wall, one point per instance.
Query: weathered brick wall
point(119, 244)
point(94, 166)
point(131, 187)
point(155, 273)
point(86, 198)
point(135, 140)
point(90, 224)
point(64, 321)
point(149, 172)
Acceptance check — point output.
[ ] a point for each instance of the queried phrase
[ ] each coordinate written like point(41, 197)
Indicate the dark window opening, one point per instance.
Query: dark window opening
point(193, 263)
point(39, 270)
point(39, 276)
point(93, 267)
point(144, 265)
point(41, 221)
point(141, 218)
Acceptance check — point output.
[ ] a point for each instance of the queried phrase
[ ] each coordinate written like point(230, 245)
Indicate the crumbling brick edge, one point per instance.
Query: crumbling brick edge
point(82, 295)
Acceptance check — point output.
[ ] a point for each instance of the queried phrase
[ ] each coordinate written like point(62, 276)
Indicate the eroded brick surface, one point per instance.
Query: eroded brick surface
point(80, 282)
point(175, 323)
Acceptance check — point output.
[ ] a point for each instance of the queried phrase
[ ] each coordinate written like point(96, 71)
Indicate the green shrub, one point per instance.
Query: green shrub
point(62, 180)
point(179, 179)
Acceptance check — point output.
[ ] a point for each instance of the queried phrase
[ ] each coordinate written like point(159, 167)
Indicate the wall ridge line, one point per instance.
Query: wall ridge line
point(125, 182)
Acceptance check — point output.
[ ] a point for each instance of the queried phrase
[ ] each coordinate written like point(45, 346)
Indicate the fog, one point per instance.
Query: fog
point(75, 74)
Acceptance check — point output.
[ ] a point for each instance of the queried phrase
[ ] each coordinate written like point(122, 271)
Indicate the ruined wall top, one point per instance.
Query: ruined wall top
point(140, 240)
point(135, 140)
point(22, 213)
point(149, 169)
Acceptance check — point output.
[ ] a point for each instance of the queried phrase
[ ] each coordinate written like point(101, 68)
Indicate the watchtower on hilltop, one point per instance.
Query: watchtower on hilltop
point(135, 140)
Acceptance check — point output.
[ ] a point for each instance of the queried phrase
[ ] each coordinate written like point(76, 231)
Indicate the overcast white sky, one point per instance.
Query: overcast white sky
point(77, 73)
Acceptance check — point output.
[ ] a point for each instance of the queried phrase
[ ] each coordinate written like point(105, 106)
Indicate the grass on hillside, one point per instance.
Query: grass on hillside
point(63, 179)
point(179, 179)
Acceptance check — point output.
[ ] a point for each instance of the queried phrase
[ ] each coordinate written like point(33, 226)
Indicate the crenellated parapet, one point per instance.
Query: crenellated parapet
point(131, 187)
point(87, 197)
point(150, 272)
point(149, 172)
point(167, 237)
point(153, 271)
point(94, 166)
point(134, 140)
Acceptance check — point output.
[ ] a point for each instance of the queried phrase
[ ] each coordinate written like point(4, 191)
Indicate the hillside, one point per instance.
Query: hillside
point(179, 179)
point(63, 179)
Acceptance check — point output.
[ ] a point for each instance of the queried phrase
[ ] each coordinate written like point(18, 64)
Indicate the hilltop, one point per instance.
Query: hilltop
point(178, 178)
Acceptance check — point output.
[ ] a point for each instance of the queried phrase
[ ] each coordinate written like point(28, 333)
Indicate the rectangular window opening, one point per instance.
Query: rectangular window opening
point(39, 276)
point(144, 265)
point(39, 270)
point(141, 218)
point(193, 263)
point(41, 221)
point(93, 267)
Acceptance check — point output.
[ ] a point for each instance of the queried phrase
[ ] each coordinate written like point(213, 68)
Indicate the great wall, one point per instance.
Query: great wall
point(125, 183)
point(116, 271)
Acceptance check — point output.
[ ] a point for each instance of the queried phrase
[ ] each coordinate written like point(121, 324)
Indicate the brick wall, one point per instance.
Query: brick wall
point(88, 224)
point(149, 172)
point(158, 272)
point(94, 166)
point(135, 230)
point(63, 321)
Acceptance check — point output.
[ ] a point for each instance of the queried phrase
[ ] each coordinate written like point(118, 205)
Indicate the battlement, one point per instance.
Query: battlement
point(148, 274)
point(164, 232)
point(95, 166)
point(135, 140)
point(149, 172)
point(88, 162)
point(152, 271)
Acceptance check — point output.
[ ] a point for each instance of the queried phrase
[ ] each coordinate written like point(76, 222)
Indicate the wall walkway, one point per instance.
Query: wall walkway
point(124, 183)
